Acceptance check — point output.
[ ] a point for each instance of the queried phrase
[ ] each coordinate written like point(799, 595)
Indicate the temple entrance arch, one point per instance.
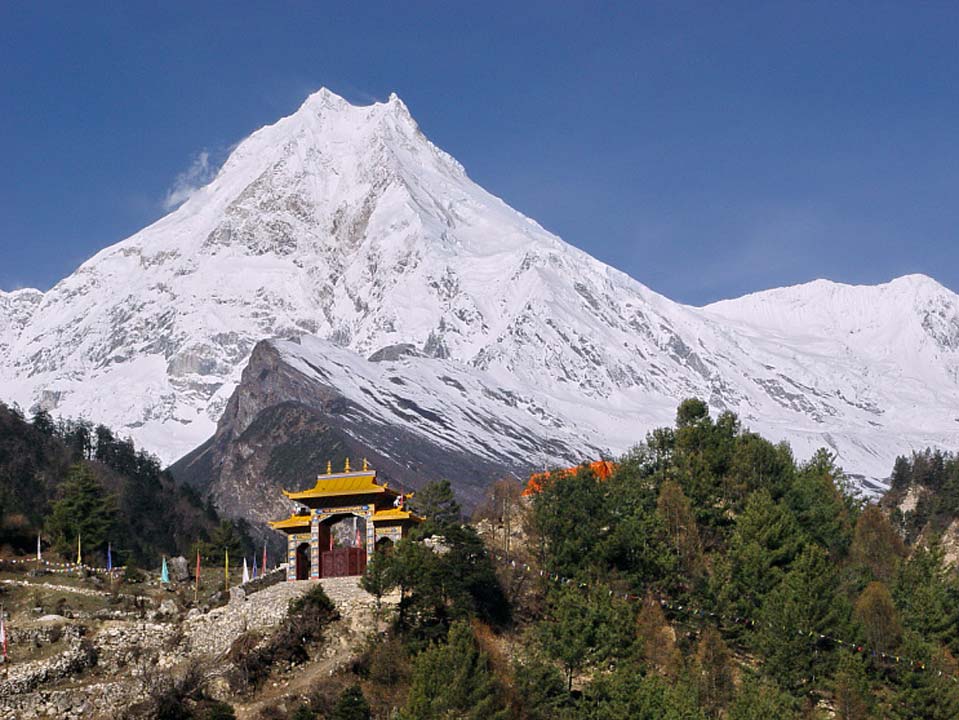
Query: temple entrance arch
point(303, 561)
point(341, 517)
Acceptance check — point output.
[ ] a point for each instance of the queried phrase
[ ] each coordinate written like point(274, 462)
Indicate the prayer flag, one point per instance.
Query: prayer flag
point(3, 635)
point(196, 588)
point(164, 573)
point(246, 571)
point(39, 555)
point(264, 557)
point(254, 566)
point(109, 557)
point(226, 569)
point(79, 556)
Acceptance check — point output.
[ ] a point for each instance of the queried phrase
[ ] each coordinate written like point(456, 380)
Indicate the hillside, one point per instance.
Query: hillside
point(147, 514)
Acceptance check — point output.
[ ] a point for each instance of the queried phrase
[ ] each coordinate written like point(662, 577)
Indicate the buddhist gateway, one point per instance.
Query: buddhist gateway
point(342, 520)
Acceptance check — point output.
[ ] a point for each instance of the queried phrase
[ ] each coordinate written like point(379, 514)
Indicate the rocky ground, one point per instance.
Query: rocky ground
point(114, 647)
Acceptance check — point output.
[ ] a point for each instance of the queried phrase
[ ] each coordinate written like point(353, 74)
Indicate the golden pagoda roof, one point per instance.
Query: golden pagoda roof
point(345, 483)
point(396, 514)
point(294, 522)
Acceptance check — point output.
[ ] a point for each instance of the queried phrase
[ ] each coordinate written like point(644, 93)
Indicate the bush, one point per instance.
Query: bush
point(214, 710)
point(308, 616)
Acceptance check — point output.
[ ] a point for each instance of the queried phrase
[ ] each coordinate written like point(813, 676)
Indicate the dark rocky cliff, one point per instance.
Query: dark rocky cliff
point(279, 430)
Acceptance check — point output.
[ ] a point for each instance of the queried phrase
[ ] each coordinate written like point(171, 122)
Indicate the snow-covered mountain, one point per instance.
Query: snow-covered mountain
point(346, 223)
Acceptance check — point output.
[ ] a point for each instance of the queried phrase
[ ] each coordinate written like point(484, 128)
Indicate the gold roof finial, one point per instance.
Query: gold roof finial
point(366, 465)
point(346, 466)
point(329, 467)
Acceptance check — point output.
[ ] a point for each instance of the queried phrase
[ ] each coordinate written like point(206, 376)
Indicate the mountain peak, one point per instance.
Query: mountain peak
point(324, 98)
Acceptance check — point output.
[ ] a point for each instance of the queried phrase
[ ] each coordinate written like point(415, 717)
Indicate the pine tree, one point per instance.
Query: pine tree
point(436, 502)
point(352, 705)
point(764, 543)
point(852, 695)
point(453, 679)
point(759, 700)
point(927, 595)
point(84, 510)
point(378, 578)
point(794, 614)
point(582, 629)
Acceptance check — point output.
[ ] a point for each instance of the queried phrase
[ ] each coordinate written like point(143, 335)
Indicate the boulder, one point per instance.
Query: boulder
point(52, 619)
point(179, 569)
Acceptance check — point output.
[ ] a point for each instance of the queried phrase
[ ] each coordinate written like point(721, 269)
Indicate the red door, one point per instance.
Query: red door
point(343, 562)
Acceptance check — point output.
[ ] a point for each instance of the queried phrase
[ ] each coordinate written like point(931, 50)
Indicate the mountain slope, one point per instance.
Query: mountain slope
point(302, 403)
point(346, 223)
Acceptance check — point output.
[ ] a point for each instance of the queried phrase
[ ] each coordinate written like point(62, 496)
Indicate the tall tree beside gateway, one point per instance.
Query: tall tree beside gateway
point(437, 503)
point(454, 679)
point(84, 509)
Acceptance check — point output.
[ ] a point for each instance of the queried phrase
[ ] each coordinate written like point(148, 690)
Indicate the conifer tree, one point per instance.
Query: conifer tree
point(378, 578)
point(764, 543)
point(437, 503)
point(927, 595)
point(351, 705)
point(793, 615)
point(852, 695)
point(453, 679)
point(762, 700)
point(582, 629)
point(84, 510)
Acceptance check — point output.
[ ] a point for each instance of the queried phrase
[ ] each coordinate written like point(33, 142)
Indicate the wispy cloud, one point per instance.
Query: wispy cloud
point(189, 181)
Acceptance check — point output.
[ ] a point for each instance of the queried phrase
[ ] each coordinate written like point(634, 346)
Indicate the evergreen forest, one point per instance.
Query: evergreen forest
point(64, 479)
point(711, 576)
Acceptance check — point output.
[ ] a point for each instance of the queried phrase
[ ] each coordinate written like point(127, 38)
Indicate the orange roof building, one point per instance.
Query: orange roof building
point(602, 469)
point(321, 544)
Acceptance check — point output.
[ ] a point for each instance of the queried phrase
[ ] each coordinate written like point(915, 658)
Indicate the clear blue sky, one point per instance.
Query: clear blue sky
point(707, 149)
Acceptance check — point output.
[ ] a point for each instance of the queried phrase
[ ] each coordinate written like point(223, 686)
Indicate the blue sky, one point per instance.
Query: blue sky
point(707, 149)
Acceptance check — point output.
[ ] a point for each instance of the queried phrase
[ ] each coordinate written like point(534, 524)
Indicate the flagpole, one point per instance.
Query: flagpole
point(3, 633)
point(196, 587)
